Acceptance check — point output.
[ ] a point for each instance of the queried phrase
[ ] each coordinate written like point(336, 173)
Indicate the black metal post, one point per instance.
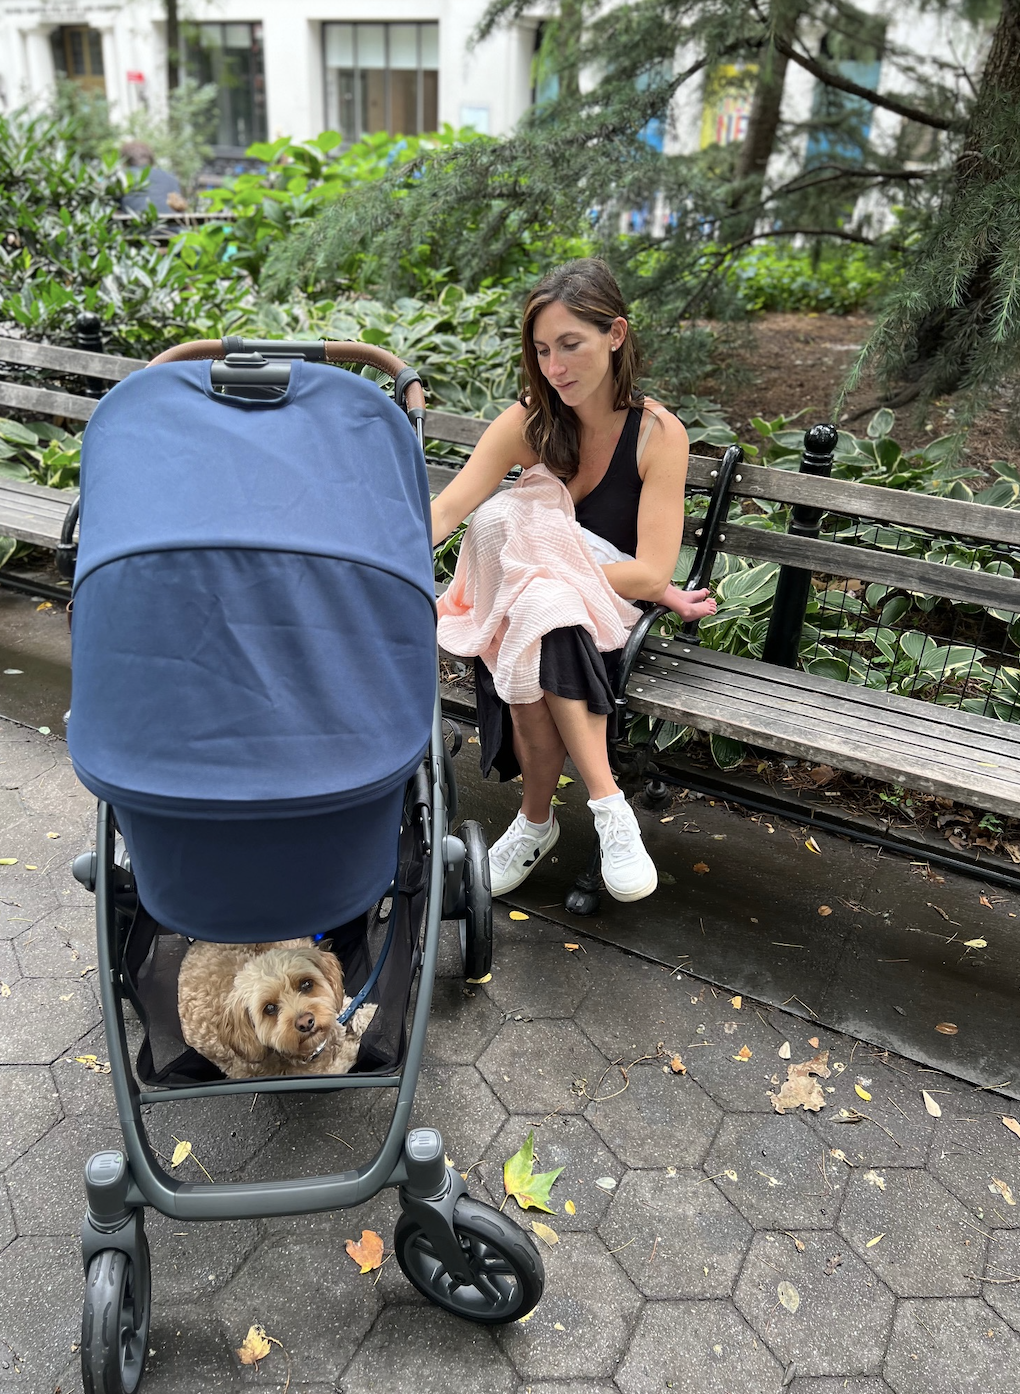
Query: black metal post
point(89, 338)
point(782, 643)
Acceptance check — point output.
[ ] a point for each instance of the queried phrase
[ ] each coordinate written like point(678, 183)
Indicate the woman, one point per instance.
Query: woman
point(623, 461)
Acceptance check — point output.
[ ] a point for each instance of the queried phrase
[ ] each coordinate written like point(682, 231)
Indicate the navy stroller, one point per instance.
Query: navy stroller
point(255, 704)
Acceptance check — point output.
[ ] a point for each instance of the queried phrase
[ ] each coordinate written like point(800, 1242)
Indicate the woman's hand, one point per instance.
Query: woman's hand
point(500, 448)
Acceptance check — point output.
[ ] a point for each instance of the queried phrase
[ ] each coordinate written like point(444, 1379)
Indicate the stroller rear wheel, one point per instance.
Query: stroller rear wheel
point(476, 923)
point(508, 1271)
point(115, 1323)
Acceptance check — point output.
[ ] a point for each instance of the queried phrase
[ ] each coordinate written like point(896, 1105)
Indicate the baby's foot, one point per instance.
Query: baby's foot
point(689, 605)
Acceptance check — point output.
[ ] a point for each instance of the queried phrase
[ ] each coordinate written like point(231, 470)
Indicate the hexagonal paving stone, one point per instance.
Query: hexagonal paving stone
point(29, 1107)
point(739, 1086)
point(58, 947)
point(973, 1147)
point(40, 1308)
point(895, 1107)
point(565, 1141)
point(38, 1026)
point(311, 1298)
point(539, 980)
point(456, 1100)
point(868, 1385)
point(24, 903)
point(323, 1142)
point(675, 1235)
point(582, 1325)
point(778, 1164)
point(535, 1067)
point(225, 1132)
point(842, 1323)
point(47, 1184)
point(697, 1348)
point(930, 1241)
point(408, 1345)
point(951, 1347)
point(462, 1022)
point(7, 1230)
point(191, 1261)
point(85, 1093)
point(571, 1387)
point(190, 1349)
point(659, 1119)
point(10, 968)
point(1003, 1266)
point(629, 1013)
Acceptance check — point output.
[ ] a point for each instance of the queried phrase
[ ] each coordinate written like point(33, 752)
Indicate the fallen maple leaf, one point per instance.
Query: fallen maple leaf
point(367, 1251)
point(254, 1347)
point(799, 1089)
point(1011, 1124)
point(932, 1105)
point(529, 1190)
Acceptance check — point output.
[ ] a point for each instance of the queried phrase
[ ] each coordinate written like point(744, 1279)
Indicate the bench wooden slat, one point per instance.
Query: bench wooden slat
point(456, 430)
point(867, 729)
point(868, 564)
point(43, 402)
point(107, 366)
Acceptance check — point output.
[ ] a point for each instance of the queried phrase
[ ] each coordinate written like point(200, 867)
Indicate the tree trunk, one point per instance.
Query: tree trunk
point(945, 336)
point(570, 22)
point(763, 121)
point(173, 46)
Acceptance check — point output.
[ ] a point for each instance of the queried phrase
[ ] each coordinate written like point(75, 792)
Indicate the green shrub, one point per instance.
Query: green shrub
point(835, 280)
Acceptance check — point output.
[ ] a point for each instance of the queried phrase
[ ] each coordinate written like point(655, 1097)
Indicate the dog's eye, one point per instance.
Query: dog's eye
point(305, 985)
point(269, 1009)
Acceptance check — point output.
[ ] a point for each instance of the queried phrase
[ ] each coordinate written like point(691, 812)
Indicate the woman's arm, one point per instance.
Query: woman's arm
point(660, 514)
point(501, 447)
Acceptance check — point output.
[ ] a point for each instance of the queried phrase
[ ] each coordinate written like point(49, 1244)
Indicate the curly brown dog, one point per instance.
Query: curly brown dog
point(268, 1009)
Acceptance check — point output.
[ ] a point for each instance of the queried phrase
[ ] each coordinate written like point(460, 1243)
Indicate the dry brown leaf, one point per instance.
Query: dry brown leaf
point(545, 1232)
point(1003, 1190)
point(254, 1347)
point(983, 899)
point(946, 1028)
point(932, 1105)
point(744, 1053)
point(572, 948)
point(799, 1089)
point(825, 909)
point(736, 1002)
point(677, 1066)
point(813, 1042)
point(367, 1251)
point(700, 868)
point(1011, 1124)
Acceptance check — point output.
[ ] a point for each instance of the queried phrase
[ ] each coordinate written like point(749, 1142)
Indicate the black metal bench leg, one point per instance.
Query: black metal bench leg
point(585, 895)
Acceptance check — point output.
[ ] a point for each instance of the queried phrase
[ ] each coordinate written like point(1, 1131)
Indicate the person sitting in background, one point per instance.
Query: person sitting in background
point(160, 188)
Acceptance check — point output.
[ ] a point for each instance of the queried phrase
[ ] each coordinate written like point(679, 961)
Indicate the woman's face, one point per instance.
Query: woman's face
point(575, 357)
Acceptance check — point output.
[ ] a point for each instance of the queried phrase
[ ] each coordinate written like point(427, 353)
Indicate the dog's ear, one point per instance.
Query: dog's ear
point(330, 968)
point(237, 1031)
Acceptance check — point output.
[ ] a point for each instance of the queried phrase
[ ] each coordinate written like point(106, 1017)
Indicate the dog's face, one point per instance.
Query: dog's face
point(284, 1000)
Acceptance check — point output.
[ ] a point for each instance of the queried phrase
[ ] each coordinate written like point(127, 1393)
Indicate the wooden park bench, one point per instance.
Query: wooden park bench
point(932, 746)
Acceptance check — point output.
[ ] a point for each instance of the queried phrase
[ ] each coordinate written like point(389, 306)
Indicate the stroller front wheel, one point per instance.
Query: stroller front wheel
point(115, 1323)
point(503, 1258)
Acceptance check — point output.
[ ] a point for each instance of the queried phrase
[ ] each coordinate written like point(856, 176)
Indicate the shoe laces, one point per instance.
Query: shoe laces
point(617, 833)
point(506, 848)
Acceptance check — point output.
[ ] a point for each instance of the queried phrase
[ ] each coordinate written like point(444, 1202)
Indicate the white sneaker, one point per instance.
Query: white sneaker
point(514, 857)
point(627, 869)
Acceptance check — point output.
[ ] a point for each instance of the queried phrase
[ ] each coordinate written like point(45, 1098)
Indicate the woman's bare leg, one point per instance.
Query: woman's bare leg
point(583, 734)
point(540, 753)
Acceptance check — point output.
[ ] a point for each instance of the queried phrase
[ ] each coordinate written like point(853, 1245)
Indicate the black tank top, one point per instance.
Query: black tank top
point(611, 509)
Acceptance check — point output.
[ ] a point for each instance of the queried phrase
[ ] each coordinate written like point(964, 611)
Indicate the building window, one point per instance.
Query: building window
point(230, 55)
point(78, 56)
point(381, 77)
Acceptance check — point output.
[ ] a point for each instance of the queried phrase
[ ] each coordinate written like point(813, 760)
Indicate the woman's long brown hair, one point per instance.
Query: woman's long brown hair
point(588, 289)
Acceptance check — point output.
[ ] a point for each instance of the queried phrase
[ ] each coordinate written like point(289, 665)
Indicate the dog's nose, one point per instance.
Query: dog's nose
point(305, 1023)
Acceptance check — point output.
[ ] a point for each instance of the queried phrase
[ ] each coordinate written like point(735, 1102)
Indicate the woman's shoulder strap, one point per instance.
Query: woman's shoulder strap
point(652, 412)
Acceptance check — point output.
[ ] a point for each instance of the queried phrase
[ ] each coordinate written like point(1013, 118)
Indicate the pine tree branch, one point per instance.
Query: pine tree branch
point(798, 184)
point(841, 233)
point(868, 94)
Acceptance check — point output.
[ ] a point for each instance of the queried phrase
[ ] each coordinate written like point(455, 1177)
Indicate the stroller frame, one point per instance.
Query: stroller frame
point(467, 1257)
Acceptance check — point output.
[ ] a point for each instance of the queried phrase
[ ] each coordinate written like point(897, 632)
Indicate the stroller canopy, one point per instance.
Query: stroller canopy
point(254, 616)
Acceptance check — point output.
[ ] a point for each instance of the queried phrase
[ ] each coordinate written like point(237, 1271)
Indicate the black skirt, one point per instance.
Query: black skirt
point(570, 666)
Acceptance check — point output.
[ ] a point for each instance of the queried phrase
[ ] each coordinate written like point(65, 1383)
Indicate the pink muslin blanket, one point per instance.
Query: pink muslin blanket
point(523, 570)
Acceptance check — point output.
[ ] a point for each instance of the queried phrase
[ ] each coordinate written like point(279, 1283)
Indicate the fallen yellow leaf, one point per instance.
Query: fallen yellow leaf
point(52, 835)
point(545, 1232)
point(367, 1251)
point(872, 1242)
point(788, 1295)
point(932, 1105)
point(254, 1347)
point(975, 943)
point(519, 915)
point(570, 1207)
point(30, 867)
point(181, 1152)
point(563, 781)
point(744, 1053)
point(1011, 1124)
point(813, 846)
point(8, 861)
point(1003, 1190)
point(486, 979)
point(5, 990)
point(862, 1093)
point(700, 868)
point(736, 1002)
point(526, 1317)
